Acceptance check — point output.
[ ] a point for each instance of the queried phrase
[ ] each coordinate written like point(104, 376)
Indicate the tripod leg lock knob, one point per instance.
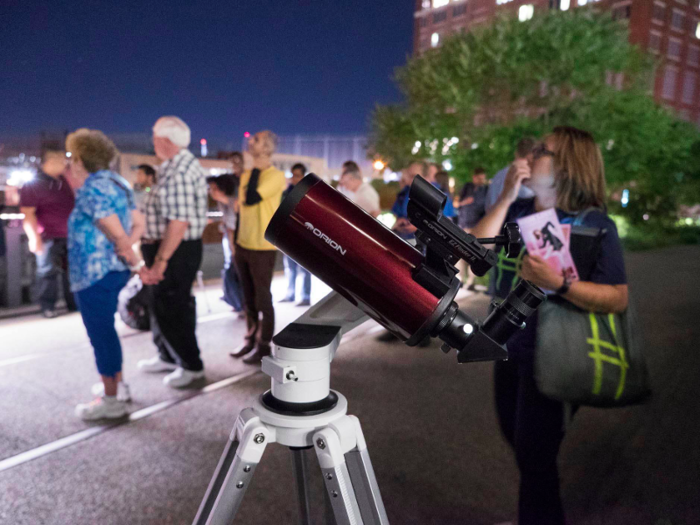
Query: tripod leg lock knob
point(328, 448)
point(253, 436)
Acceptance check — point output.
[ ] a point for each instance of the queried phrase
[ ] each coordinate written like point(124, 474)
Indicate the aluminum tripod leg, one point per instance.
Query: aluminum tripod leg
point(234, 471)
point(348, 474)
point(364, 481)
point(301, 475)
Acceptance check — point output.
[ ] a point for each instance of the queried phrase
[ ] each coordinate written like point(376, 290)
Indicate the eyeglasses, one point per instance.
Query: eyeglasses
point(541, 150)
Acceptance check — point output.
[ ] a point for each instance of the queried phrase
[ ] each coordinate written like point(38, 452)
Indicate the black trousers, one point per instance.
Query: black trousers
point(173, 308)
point(50, 265)
point(255, 269)
point(534, 426)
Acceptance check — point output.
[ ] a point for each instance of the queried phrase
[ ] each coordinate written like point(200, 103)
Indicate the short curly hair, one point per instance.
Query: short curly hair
point(92, 147)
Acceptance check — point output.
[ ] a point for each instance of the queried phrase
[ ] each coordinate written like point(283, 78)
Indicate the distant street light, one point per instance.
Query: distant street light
point(378, 165)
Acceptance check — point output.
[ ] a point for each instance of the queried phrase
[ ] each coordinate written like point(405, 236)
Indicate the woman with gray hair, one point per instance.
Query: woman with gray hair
point(102, 229)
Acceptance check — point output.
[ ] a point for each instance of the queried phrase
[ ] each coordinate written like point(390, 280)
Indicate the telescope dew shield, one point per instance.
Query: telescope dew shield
point(357, 256)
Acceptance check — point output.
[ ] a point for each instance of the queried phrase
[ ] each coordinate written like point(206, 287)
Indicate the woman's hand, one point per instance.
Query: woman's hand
point(518, 172)
point(539, 273)
point(125, 250)
point(131, 258)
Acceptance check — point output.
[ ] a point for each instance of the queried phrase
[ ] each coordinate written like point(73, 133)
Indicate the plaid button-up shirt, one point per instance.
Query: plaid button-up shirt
point(180, 194)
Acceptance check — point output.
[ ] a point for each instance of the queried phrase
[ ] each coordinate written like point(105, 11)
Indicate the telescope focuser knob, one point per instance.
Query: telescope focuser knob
point(511, 232)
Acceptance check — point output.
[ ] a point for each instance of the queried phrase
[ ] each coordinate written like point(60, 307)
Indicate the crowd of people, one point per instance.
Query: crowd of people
point(84, 236)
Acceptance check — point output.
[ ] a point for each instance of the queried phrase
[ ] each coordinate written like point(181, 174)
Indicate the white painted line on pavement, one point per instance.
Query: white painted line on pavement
point(214, 317)
point(14, 360)
point(67, 441)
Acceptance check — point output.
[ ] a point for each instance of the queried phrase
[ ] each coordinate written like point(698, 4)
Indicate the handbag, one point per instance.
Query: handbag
point(133, 305)
point(587, 358)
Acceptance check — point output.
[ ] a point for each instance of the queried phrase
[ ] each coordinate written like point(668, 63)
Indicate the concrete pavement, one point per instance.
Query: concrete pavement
point(429, 424)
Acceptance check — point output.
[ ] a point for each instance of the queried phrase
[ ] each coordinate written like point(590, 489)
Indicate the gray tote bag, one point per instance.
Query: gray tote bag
point(590, 359)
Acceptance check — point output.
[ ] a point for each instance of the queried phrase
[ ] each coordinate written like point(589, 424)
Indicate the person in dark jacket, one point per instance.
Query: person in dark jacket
point(567, 174)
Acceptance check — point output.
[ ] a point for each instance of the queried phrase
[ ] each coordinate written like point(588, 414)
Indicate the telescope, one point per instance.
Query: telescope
point(410, 290)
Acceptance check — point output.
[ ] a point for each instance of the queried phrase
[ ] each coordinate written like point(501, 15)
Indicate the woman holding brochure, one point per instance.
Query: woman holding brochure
point(566, 175)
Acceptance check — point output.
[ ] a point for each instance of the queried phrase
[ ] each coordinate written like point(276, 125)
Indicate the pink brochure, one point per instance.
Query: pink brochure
point(545, 237)
point(566, 230)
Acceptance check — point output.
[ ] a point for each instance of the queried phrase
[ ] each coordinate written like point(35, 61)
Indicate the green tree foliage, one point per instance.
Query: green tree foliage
point(490, 87)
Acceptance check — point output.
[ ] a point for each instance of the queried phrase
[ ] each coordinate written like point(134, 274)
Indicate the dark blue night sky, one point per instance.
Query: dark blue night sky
point(225, 67)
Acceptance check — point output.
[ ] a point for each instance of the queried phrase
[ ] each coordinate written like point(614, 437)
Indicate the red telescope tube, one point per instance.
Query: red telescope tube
point(357, 256)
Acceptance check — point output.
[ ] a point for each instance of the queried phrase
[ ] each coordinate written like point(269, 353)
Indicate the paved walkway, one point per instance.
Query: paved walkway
point(429, 423)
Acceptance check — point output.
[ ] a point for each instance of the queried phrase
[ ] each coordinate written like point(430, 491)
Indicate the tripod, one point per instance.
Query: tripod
point(300, 411)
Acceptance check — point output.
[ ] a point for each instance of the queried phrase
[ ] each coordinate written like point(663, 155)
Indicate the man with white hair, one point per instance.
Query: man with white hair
point(353, 186)
point(176, 214)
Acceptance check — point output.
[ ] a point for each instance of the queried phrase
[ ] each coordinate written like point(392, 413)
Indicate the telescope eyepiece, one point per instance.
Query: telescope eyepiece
point(511, 313)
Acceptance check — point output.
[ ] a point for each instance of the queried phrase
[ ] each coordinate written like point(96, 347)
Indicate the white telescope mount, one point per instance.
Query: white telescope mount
point(301, 412)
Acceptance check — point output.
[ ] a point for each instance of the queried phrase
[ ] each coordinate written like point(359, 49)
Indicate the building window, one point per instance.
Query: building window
point(439, 17)
point(668, 89)
point(622, 13)
point(655, 42)
point(674, 49)
point(525, 12)
point(689, 88)
point(677, 20)
point(434, 39)
point(459, 10)
point(564, 5)
point(659, 12)
point(694, 56)
point(616, 80)
point(697, 30)
point(423, 21)
point(619, 81)
point(426, 4)
point(440, 3)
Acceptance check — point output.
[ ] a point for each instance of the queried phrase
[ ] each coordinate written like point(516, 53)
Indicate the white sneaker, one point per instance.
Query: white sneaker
point(181, 378)
point(123, 393)
point(101, 408)
point(155, 365)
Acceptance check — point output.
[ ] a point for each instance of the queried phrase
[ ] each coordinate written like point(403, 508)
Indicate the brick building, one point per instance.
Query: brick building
point(668, 28)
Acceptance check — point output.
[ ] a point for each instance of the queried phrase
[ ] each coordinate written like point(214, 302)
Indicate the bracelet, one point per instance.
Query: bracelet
point(160, 258)
point(137, 266)
point(564, 287)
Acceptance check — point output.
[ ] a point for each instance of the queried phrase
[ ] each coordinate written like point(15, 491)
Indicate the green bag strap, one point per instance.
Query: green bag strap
point(599, 357)
point(512, 264)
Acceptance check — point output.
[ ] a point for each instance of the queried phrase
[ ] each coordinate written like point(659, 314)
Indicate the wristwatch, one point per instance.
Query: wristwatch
point(564, 287)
